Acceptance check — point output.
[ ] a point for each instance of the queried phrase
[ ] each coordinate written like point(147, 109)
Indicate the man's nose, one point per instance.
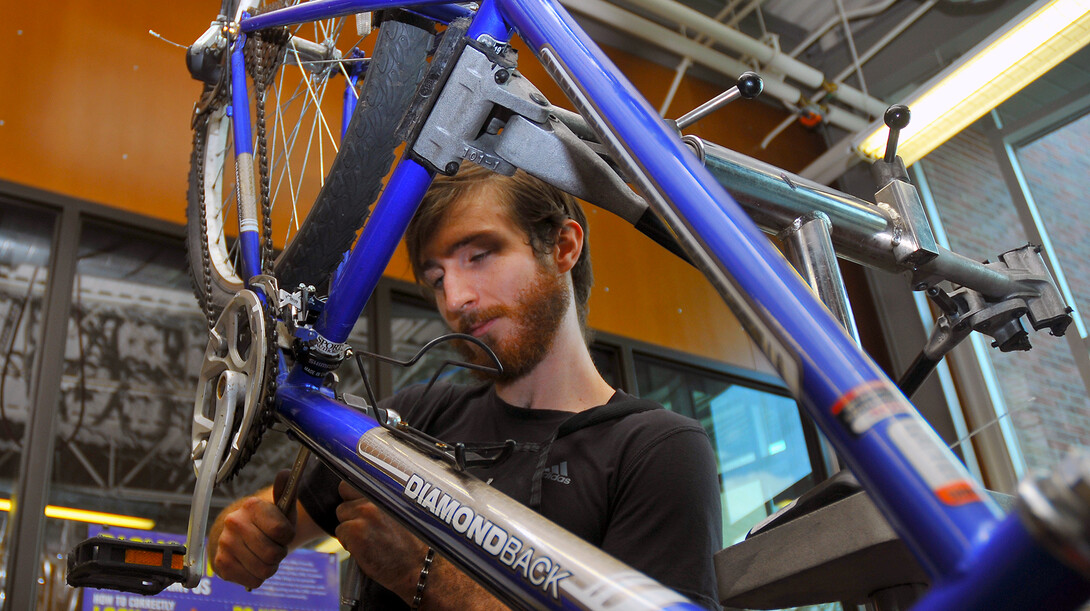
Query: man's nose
point(459, 291)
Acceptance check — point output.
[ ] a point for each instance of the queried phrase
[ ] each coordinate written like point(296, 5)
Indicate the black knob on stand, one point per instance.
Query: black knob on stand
point(896, 118)
point(750, 85)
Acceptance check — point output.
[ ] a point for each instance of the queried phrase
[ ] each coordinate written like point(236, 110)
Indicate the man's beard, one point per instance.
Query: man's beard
point(536, 316)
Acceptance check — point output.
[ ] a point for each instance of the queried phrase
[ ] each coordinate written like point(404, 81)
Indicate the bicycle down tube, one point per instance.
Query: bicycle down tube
point(945, 517)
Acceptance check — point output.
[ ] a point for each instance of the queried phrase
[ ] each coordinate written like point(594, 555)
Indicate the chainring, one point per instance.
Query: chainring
point(239, 342)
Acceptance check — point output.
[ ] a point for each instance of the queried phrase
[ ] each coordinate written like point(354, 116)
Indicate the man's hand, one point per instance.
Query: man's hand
point(384, 550)
point(250, 538)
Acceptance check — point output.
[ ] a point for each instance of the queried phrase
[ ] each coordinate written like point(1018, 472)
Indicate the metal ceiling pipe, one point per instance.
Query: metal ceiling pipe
point(772, 58)
point(842, 155)
point(862, 59)
point(655, 34)
point(866, 11)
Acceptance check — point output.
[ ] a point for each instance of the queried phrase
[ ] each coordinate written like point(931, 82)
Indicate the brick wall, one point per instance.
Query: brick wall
point(1055, 167)
point(1045, 396)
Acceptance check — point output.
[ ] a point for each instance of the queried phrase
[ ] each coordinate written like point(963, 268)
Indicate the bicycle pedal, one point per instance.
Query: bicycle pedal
point(127, 566)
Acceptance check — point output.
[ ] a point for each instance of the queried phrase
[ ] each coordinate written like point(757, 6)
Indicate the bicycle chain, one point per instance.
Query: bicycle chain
point(199, 143)
point(264, 50)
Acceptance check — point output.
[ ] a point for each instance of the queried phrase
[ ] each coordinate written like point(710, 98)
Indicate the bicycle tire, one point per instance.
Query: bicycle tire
point(343, 202)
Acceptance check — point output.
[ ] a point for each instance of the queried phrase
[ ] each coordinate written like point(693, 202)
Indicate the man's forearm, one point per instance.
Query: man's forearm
point(449, 588)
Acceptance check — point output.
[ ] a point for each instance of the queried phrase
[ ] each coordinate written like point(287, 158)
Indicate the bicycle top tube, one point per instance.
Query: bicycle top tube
point(437, 10)
point(521, 555)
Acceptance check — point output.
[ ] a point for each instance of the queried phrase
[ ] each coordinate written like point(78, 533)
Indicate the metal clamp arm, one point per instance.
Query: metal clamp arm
point(489, 114)
point(552, 152)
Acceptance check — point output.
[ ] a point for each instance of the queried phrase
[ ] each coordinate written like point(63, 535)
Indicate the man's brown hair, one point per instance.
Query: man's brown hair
point(537, 208)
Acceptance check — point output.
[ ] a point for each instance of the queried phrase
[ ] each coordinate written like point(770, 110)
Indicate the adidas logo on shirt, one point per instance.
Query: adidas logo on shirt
point(558, 473)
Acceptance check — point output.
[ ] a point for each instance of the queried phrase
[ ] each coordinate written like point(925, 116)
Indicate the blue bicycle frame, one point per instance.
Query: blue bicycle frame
point(975, 556)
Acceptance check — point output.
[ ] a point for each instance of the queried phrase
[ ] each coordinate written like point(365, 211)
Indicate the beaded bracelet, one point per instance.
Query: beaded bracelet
point(423, 582)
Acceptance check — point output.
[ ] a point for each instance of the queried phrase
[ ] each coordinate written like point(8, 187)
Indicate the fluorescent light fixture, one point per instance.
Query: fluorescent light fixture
point(1040, 37)
point(94, 517)
point(331, 546)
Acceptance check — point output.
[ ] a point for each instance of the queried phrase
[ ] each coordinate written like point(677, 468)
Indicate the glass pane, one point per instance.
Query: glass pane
point(413, 326)
point(762, 454)
point(608, 363)
point(136, 342)
point(763, 459)
point(974, 205)
point(1042, 389)
point(25, 238)
point(1053, 166)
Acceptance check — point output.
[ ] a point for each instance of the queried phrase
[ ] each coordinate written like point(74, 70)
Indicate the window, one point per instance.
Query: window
point(25, 243)
point(412, 325)
point(758, 436)
point(135, 345)
point(25, 236)
point(1041, 396)
point(1053, 165)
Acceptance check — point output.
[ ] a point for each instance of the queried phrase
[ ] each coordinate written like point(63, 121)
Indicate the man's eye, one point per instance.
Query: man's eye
point(480, 256)
point(434, 282)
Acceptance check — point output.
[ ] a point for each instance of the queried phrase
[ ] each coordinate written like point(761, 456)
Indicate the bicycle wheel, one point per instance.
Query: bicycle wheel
point(302, 149)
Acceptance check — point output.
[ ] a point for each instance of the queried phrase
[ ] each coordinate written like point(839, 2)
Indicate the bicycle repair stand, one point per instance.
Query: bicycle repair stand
point(832, 544)
point(840, 549)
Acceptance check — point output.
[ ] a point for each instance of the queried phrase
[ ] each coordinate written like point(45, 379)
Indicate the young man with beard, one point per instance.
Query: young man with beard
point(506, 260)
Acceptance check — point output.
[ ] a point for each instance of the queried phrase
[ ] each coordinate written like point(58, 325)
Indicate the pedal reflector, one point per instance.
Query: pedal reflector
point(128, 566)
point(150, 558)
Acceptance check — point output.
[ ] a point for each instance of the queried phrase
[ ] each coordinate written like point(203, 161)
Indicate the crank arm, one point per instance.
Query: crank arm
point(230, 390)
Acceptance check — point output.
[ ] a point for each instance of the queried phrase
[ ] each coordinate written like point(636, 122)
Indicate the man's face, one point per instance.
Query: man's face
point(488, 283)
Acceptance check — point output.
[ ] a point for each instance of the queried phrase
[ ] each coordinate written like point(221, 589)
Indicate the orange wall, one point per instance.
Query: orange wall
point(98, 109)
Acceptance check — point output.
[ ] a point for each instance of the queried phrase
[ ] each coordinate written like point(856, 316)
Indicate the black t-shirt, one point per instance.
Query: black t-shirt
point(643, 487)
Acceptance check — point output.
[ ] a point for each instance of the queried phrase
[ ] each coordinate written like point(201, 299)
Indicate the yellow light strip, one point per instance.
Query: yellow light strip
point(330, 546)
point(94, 517)
point(1039, 38)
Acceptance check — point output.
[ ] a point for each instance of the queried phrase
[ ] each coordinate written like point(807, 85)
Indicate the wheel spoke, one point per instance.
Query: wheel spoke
point(313, 95)
point(298, 151)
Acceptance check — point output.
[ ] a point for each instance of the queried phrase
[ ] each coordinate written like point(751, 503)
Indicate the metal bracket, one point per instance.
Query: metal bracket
point(489, 114)
point(1045, 306)
point(913, 242)
point(965, 312)
point(470, 112)
point(553, 153)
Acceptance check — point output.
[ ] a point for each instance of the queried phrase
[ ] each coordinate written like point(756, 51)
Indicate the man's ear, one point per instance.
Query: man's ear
point(569, 245)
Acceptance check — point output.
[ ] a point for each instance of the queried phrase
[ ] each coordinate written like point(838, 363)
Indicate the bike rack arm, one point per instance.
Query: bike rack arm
point(883, 237)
